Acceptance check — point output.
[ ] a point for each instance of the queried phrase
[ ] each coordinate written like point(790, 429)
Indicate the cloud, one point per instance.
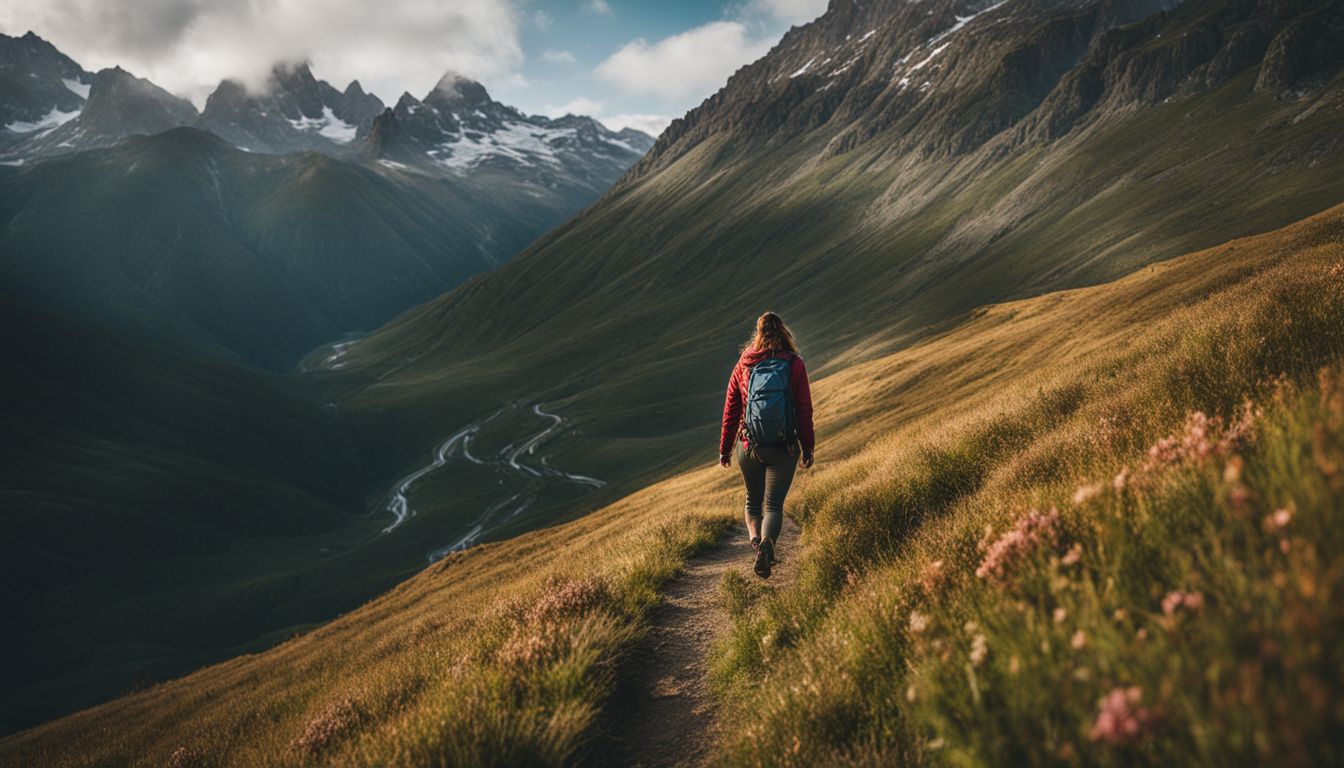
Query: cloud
point(557, 57)
point(694, 63)
point(787, 11)
point(582, 105)
point(599, 7)
point(650, 124)
point(188, 46)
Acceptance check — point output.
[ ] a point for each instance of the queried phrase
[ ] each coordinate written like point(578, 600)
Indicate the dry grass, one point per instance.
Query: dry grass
point(1119, 547)
point(890, 647)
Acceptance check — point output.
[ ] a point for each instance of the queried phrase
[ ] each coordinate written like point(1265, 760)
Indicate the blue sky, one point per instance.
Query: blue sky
point(633, 63)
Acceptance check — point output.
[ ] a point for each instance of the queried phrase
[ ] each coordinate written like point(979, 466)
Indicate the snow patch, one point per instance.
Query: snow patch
point(804, 68)
point(79, 89)
point(392, 164)
point(328, 125)
point(52, 119)
point(932, 55)
point(519, 142)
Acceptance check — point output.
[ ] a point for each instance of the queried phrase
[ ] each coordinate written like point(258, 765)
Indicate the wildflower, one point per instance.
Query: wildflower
point(918, 622)
point(1014, 665)
point(1278, 520)
point(1079, 640)
point(910, 693)
point(932, 577)
point(979, 649)
point(1060, 615)
point(1120, 718)
point(1031, 532)
point(1141, 635)
point(1074, 554)
point(1086, 493)
point(1120, 614)
point(1177, 600)
point(1232, 472)
point(970, 627)
point(1121, 480)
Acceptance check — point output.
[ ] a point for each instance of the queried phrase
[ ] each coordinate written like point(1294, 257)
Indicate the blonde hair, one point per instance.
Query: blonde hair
point(771, 335)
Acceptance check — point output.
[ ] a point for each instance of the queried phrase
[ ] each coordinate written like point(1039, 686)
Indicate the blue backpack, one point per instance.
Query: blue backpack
point(769, 417)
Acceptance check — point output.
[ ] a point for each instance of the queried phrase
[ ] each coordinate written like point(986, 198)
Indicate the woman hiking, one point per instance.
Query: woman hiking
point(768, 413)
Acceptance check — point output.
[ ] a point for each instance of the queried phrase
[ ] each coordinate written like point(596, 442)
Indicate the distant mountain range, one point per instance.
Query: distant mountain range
point(270, 222)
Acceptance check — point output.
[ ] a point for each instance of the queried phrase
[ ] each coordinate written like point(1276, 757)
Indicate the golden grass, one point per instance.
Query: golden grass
point(506, 653)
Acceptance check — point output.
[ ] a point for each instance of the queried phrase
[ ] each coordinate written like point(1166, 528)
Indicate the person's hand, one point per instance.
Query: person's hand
point(807, 460)
point(724, 460)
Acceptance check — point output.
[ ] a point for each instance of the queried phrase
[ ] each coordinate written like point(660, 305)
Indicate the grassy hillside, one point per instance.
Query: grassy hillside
point(620, 319)
point(506, 654)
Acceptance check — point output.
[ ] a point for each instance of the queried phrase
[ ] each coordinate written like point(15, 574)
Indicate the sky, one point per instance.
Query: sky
point(629, 63)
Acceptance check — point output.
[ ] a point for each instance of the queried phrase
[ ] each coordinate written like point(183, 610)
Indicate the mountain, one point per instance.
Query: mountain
point(244, 249)
point(293, 112)
point(459, 130)
point(881, 173)
point(182, 239)
point(118, 105)
point(40, 87)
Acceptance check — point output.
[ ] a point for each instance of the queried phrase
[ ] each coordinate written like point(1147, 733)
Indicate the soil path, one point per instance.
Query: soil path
point(664, 713)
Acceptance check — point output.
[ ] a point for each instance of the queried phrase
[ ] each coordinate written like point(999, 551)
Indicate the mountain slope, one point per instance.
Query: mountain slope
point(1056, 145)
point(141, 494)
point(507, 653)
point(39, 85)
point(181, 238)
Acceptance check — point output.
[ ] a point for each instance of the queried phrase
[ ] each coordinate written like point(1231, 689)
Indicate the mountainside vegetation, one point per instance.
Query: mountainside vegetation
point(1210, 384)
point(838, 199)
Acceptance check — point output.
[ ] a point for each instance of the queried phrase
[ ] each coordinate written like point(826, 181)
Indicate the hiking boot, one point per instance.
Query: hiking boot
point(764, 556)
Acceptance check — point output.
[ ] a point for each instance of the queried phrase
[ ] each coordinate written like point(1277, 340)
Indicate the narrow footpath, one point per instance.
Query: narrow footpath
point(664, 713)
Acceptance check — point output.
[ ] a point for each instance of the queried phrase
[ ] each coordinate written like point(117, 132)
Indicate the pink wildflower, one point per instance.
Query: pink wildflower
point(1204, 436)
point(1074, 554)
point(1079, 640)
point(918, 622)
point(1085, 493)
point(1028, 535)
point(1120, 718)
point(1279, 520)
point(1121, 480)
point(1177, 600)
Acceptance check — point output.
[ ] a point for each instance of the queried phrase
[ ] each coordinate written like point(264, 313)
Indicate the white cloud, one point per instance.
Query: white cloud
point(788, 11)
point(694, 63)
point(599, 7)
point(557, 57)
point(581, 105)
point(542, 19)
point(188, 46)
point(650, 124)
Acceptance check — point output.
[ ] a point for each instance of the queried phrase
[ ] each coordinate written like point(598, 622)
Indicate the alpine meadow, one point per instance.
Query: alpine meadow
point(353, 432)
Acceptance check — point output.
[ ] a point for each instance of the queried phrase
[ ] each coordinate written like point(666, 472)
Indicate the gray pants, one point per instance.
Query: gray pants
point(768, 480)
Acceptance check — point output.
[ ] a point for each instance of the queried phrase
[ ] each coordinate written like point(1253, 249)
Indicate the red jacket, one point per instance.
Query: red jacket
point(737, 394)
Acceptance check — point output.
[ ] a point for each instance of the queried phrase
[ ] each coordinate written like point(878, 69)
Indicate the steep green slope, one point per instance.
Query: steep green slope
point(182, 239)
point(1049, 145)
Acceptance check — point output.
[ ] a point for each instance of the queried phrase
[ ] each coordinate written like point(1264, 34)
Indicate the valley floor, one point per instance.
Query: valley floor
point(1098, 526)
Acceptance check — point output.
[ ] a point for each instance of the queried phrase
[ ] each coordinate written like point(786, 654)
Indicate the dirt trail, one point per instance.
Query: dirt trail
point(664, 713)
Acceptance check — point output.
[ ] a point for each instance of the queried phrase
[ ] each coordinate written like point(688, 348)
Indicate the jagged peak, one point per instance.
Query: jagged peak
point(455, 88)
point(354, 89)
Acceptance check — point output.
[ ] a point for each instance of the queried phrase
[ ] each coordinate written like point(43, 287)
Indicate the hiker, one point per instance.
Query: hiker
point(768, 409)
